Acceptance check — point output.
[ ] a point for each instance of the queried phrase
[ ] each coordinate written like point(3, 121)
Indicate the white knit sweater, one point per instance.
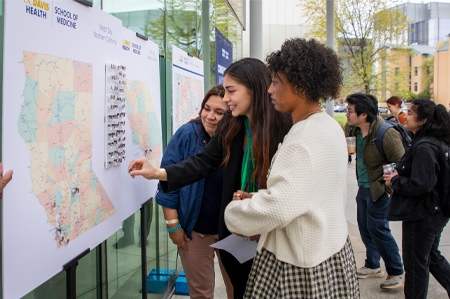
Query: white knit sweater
point(300, 215)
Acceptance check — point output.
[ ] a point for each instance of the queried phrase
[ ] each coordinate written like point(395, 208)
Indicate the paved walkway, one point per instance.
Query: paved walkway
point(370, 288)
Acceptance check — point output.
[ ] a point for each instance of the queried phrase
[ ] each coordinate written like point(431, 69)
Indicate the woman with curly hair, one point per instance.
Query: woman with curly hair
point(415, 201)
point(304, 250)
point(244, 143)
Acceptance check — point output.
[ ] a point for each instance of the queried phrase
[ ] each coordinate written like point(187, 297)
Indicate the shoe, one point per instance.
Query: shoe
point(365, 272)
point(393, 282)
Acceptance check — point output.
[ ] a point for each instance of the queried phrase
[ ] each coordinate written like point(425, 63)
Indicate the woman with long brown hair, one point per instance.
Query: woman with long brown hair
point(244, 144)
point(192, 212)
point(304, 250)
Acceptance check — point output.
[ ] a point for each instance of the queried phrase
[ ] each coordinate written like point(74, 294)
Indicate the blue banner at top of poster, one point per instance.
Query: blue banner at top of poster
point(224, 55)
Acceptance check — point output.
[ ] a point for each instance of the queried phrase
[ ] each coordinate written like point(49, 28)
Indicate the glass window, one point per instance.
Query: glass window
point(238, 9)
point(124, 268)
point(144, 17)
point(182, 26)
point(230, 27)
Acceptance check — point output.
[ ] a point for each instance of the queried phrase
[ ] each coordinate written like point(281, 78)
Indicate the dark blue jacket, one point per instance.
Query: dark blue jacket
point(188, 140)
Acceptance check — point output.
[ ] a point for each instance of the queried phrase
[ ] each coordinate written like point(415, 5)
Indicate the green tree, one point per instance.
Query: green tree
point(178, 24)
point(424, 94)
point(408, 95)
point(427, 68)
point(364, 28)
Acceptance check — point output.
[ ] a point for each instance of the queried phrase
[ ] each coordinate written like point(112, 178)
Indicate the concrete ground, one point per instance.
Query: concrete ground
point(370, 288)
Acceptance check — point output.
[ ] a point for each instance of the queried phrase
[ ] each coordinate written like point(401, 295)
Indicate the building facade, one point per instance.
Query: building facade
point(430, 22)
point(282, 19)
point(411, 75)
point(441, 92)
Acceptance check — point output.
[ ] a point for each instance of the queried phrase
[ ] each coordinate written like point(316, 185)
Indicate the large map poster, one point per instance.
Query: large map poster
point(62, 200)
point(55, 123)
point(187, 87)
point(143, 118)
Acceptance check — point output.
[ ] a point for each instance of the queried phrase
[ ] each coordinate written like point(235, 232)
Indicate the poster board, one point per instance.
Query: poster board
point(187, 87)
point(62, 200)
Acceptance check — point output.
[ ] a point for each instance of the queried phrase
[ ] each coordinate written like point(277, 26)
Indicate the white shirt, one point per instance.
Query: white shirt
point(300, 215)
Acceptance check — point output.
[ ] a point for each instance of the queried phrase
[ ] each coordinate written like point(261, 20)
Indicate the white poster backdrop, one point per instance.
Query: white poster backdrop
point(187, 87)
point(72, 44)
point(143, 121)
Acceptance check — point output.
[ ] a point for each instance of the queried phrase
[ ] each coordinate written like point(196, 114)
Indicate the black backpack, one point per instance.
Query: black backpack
point(444, 174)
point(392, 122)
point(444, 179)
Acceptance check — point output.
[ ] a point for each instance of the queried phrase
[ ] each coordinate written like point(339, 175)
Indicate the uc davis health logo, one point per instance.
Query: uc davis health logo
point(37, 8)
point(126, 45)
point(136, 49)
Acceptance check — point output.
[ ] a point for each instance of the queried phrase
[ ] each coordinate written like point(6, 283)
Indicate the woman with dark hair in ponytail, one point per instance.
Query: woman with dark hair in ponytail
point(415, 200)
point(244, 143)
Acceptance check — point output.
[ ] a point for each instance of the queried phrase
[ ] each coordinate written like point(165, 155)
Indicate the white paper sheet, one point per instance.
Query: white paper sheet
point(242, 249)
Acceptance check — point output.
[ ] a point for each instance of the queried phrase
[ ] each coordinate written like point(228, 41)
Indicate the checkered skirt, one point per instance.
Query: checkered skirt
point(333, 278)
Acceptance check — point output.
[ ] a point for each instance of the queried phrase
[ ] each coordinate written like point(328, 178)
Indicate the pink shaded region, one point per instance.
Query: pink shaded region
point(46, 200)
point(60, 134)
point(57, 172)
point(155, 154)
point(105, 202)
point(29, 60)
point(83, 76)
point(138, 123)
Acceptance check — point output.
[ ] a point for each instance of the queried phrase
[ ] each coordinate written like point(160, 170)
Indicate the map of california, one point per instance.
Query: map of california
point(56, 124)
point(188, 99)
point(143, 120)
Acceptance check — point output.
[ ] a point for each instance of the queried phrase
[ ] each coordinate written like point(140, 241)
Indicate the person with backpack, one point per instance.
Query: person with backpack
point(421, 184)
point(372, 198)
point(394, 105)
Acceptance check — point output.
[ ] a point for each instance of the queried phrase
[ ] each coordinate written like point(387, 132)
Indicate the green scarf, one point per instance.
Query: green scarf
point(247, 184)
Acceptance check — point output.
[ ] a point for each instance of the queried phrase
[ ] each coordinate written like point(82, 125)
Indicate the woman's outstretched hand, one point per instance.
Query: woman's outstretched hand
point(142, 167)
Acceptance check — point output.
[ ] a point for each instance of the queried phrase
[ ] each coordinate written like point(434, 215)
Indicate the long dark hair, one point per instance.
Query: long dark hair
point(438, 120)
point(217, 90)
point(268, 126)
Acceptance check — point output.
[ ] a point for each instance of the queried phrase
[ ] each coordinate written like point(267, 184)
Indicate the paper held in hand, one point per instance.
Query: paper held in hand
point(242, 249)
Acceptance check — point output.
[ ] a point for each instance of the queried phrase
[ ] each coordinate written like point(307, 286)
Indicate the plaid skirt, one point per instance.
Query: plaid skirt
point(333, 278)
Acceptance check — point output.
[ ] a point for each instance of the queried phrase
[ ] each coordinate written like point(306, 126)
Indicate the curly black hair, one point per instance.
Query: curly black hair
point(309, 66)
